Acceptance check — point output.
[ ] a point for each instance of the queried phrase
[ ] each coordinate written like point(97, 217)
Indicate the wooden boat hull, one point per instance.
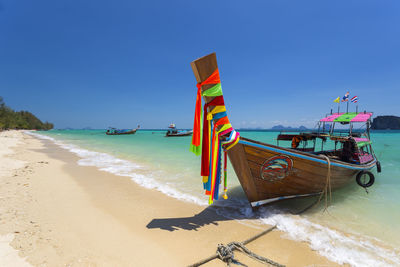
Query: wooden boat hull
point(130, 132)
point(269, 173)
point(266, 172)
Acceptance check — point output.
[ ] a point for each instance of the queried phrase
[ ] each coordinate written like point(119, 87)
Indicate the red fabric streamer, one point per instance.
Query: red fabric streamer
point(197, 120)
point(205, 150)
point(213, 79)
point(226, 131)
point(222, 121)
point(217, 101)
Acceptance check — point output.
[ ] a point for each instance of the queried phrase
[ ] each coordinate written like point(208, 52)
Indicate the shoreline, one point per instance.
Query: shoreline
point(78, 215)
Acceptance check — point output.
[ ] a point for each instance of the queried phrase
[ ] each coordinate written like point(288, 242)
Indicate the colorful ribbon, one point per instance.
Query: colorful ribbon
point(218, 136)
point(205, 158)
point(196, 138)
point(216, 90)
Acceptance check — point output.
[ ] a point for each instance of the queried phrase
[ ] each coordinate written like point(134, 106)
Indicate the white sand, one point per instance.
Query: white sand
point(8, 255)
point(57, 213)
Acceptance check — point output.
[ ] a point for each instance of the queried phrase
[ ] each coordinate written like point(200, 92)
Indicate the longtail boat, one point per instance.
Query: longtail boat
point(268, 172)
point(174, 132)
point(114, 131)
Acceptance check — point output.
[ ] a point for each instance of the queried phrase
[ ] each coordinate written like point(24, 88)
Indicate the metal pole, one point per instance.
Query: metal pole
point(322, 144)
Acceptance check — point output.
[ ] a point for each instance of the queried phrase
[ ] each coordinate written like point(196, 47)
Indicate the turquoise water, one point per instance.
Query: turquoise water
point(358, 228)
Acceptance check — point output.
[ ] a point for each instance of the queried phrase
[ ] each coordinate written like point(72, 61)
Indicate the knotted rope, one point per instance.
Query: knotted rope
point(226, 252)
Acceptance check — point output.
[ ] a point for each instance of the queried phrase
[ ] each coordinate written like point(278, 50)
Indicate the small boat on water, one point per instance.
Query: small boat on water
point(305, 166)
point(114, 131)
point(173, 132)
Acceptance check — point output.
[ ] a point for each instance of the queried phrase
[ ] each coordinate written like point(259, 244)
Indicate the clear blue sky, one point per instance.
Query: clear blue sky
point(120, 63)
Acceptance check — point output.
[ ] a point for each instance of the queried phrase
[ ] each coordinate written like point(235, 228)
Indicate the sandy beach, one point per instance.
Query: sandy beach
point(54, 212)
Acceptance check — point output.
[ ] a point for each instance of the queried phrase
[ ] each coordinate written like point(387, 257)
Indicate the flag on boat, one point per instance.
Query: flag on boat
point(346, 97)
point(354, 99)
point(337, 100)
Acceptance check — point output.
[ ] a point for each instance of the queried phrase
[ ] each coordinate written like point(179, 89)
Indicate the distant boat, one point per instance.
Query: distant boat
point(114, 131)
point(270, 173)
point(172, 131)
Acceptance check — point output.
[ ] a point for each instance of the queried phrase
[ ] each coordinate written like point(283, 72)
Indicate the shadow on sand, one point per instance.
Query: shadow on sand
point(205, 217)
point(221, 210)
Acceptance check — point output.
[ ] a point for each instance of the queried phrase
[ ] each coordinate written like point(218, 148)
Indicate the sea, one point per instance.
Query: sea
point(359, 227)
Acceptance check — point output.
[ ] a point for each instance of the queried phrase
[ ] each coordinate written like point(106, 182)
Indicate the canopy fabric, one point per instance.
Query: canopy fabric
point(348, 117)
point(361, 144)
point(362, 117)
point(362, 141)
point(332, 117)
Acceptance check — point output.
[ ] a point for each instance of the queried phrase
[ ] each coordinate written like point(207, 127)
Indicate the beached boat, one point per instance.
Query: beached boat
point(114, 131)
point(268, 172)
point(173, 132)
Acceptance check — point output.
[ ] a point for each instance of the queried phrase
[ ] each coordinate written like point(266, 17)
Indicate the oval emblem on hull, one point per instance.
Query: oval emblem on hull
point(276, 168)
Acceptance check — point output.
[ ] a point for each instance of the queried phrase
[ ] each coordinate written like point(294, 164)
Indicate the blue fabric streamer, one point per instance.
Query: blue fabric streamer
point(207, 186)
point(219, 115)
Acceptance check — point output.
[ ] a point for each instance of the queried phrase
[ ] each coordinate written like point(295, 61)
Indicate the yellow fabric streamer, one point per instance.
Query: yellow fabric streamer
point(213, 166)
point(217, 109)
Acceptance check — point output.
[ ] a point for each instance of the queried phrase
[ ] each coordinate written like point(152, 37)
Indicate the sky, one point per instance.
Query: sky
point(121, 63)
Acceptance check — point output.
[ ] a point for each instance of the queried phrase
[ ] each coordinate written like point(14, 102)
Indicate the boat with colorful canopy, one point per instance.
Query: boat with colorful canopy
point(305, 166)
point(114, 131)
point(174, 132)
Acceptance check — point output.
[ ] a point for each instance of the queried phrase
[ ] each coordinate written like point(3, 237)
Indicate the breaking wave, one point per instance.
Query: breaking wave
point(137, 173)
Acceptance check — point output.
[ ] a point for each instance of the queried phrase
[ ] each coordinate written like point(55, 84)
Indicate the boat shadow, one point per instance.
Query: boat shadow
point(237, 208)
point(210, 215)
point(205, 217)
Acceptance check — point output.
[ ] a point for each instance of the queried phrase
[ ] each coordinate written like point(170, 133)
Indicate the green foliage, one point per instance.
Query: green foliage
point(10, 119)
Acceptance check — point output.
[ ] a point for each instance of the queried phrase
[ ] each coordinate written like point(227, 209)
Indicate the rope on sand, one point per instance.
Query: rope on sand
point(225, 252)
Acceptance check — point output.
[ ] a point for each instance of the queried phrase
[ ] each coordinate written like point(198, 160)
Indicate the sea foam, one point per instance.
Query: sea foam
point(336, 246)
point(137, 173)
point(351, 249)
